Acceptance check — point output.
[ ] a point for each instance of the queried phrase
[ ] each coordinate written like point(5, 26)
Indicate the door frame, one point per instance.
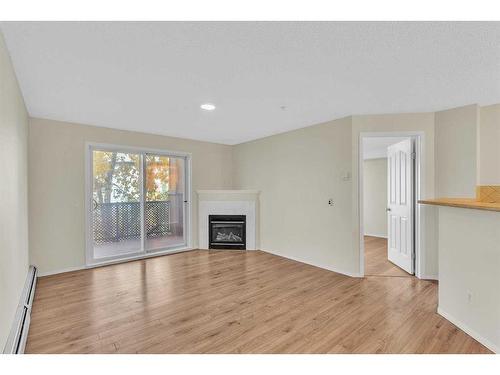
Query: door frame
point(419, 139)
point(90, 261)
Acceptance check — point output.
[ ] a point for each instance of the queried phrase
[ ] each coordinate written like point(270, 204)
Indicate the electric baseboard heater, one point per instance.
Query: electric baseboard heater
point(16, 342)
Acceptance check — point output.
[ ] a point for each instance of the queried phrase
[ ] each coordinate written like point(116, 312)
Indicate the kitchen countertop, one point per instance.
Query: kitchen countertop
point(462, 203)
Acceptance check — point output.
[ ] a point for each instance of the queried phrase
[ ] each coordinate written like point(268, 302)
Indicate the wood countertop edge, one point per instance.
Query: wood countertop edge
point(462, 203)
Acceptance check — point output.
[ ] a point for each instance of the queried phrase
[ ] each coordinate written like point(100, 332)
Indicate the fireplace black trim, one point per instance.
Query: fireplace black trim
point(229, 246)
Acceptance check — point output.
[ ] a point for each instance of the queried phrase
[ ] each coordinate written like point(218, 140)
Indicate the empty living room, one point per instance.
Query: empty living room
point(263, 186)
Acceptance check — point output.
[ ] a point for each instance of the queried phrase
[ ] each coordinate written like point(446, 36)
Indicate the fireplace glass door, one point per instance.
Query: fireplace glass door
point(227, 232)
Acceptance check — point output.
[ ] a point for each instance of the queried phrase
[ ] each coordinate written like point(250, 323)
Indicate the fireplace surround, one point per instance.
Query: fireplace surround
point(228, 202)
point(227, 232)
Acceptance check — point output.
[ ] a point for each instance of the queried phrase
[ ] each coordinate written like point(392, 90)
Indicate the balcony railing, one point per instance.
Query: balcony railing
point(113, 222)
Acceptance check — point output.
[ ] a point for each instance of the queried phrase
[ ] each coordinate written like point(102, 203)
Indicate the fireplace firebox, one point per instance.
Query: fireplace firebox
point(227, 232)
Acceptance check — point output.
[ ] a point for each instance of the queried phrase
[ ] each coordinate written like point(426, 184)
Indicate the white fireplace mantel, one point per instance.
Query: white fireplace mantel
point(228, 202)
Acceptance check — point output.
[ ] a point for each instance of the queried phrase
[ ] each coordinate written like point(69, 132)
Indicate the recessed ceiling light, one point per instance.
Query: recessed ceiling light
point(207, 107)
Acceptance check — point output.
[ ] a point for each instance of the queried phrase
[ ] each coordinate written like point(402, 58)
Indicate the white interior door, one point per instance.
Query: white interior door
point(400, 204)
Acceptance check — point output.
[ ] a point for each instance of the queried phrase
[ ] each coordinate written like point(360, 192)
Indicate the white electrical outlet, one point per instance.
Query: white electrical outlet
point(469, 296)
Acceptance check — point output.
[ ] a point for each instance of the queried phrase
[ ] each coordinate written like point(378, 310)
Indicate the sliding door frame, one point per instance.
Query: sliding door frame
point(90, 261)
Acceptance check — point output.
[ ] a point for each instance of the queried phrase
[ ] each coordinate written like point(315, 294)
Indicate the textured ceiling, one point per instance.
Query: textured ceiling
point(153, 76)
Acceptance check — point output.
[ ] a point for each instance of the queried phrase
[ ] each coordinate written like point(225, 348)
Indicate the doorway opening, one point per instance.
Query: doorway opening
point(389, 189)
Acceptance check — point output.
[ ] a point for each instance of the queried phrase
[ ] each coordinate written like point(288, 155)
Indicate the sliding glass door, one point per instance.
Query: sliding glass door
point(137, 203)
point(164, 212)
point(116, 201)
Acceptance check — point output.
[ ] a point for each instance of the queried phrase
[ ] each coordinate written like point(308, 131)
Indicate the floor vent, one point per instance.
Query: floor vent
point(19, 332)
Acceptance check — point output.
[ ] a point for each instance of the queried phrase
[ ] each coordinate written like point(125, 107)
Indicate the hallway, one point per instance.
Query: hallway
point(376, 262)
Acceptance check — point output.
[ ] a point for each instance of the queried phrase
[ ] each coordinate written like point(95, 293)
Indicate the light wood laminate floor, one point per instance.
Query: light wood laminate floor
point(376, 262)
point(237, 302)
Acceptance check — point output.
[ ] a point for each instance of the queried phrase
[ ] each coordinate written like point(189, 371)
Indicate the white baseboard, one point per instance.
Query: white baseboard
point(376, 235)
point(471, 332)
point(429, 277)
point(346, 273)
point(62, 270)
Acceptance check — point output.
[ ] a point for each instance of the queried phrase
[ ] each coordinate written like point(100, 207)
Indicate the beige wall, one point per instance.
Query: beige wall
point(57, 184)
point(469, 260)
point(297, 173)
point(375, 197)
point(489, 140)
point(13, 194)
point(457, 152)
point(409, 122)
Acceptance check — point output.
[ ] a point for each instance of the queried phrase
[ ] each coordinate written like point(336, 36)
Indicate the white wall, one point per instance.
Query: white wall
point(13, 193)
point(297, 173)
point(469, 264)
point(57, 184)
point(375, 197)
point(457, 152)
point(489, 140)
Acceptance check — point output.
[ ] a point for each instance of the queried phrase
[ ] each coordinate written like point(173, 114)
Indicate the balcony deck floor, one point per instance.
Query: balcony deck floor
point(132, 246)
